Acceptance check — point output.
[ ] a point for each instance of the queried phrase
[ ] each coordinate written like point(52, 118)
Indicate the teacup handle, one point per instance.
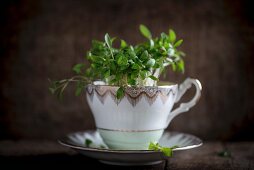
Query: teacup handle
point(184, 107)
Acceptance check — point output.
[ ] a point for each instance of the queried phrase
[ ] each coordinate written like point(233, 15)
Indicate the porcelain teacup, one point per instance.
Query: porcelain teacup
point(141, 116)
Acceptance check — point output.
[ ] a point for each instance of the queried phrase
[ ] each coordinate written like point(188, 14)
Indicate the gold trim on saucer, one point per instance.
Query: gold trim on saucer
point(122, 130)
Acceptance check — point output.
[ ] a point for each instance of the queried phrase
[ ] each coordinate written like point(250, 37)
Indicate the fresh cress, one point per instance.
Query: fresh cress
point(122, 64)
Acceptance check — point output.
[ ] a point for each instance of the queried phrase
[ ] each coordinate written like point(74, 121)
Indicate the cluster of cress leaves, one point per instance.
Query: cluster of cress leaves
point(167, 151)
point(116, 62)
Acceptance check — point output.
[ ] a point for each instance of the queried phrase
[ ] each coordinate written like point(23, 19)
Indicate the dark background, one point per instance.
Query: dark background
point(43, 39)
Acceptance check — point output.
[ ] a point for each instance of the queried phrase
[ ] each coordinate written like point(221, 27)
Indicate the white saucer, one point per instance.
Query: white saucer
point(99, 150)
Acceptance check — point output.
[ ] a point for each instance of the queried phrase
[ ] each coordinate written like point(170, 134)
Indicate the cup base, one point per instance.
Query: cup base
point(130, 140)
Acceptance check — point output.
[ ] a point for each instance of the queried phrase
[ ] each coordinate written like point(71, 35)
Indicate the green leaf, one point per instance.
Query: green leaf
point(164, 36)
point(181, 53)
point(145, 31)
point(180, 66)
point(152, 146)
point(144, 55)
point(150, 62)
point(153, 78)
point(112, 40)
point(78, 91)
point(108, 40)
point(113, 81)
point(151, 43)
point(224, 153)
point(124, 67)
point(97, 59)
point(113, 66)
point(134, 75)
point(167, 151)
point(131, 48)
point(77, 68)
point(94, 66)
point(96, 45)
point(135, 66)
point(122, 60)
point(52, 90)
point(132, 82)
point(88, 142)
point(172, 36)
point(120, 93)
point(52, 86)
point(143, 74)
point(79, 88)
point(123, 44)
point(178, 43)
point(107, 74)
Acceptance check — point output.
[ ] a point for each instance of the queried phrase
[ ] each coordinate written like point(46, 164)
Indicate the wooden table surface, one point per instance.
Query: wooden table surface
point(47, 153)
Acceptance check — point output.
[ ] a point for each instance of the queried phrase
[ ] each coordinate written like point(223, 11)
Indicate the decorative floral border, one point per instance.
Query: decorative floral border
point(133, 94)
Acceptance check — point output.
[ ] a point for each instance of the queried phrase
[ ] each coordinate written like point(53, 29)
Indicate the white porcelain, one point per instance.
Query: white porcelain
point(143, 113)
point(99, 150)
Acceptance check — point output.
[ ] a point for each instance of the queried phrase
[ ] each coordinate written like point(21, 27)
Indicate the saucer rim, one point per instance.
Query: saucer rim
point(64, 141)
